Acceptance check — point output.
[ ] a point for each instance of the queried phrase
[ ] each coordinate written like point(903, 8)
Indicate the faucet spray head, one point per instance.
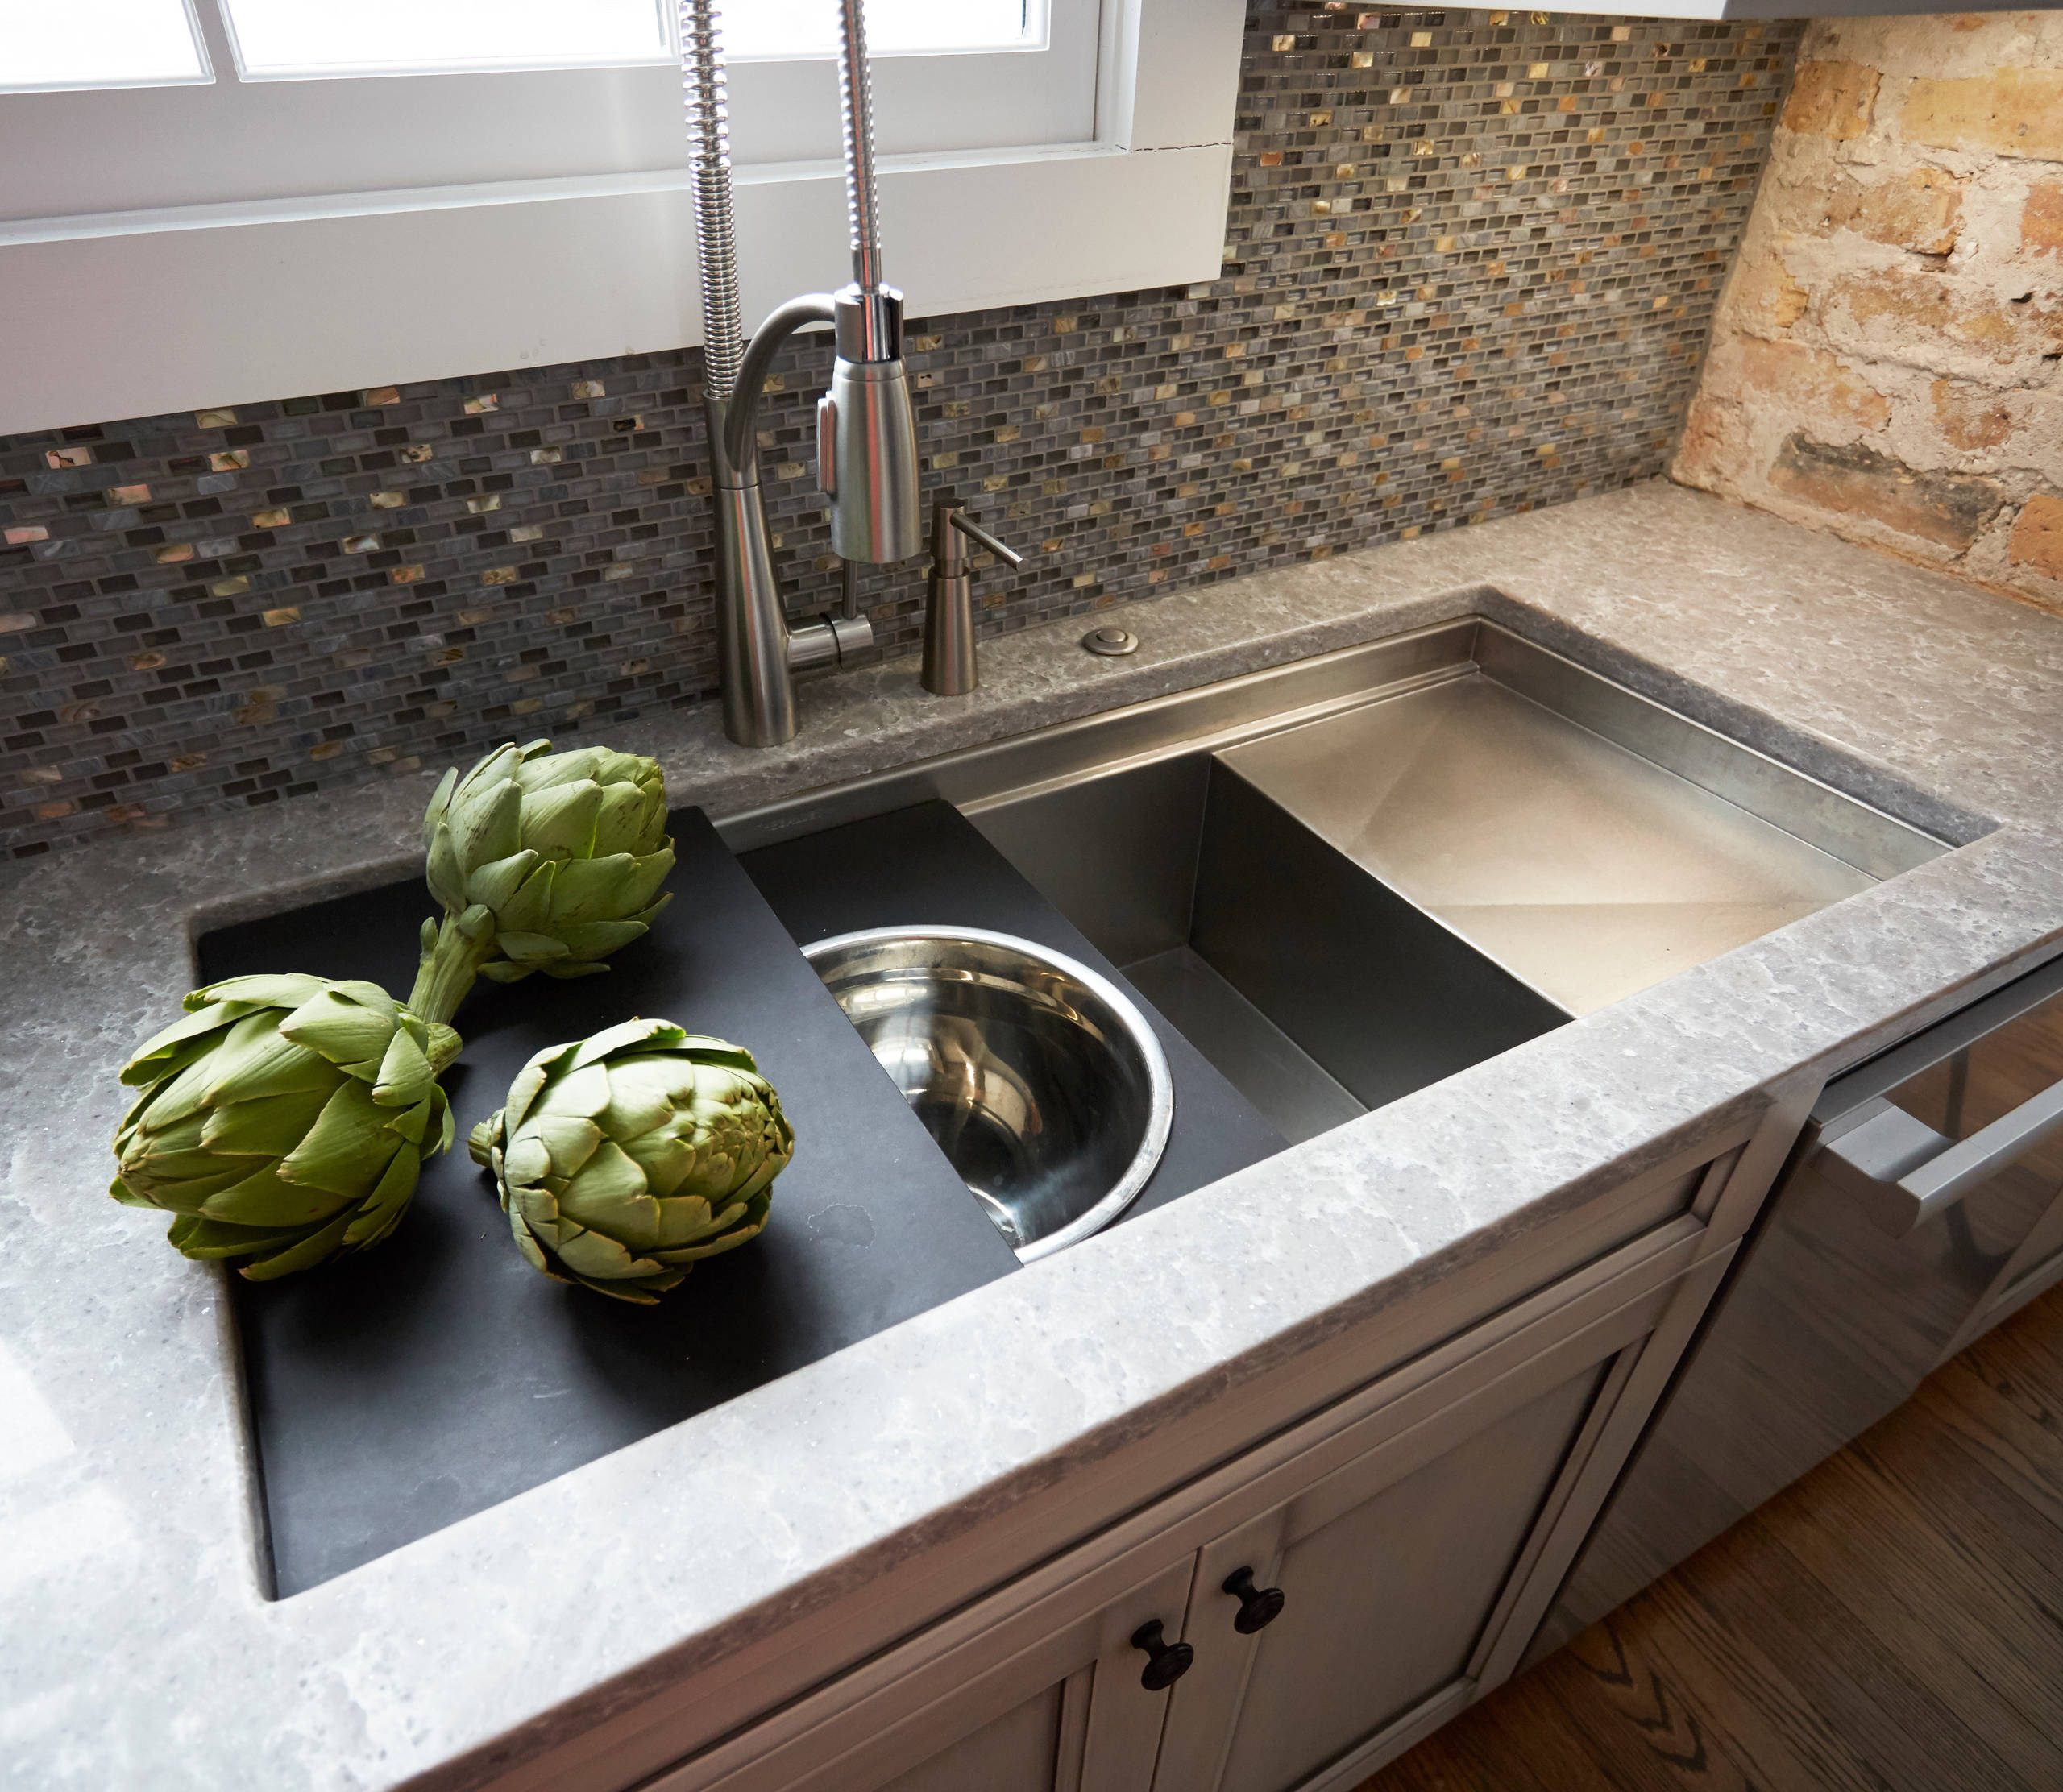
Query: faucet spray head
point(866, 427)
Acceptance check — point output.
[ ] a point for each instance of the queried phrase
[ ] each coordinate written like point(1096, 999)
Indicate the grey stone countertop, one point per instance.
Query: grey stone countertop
point(136, 1649)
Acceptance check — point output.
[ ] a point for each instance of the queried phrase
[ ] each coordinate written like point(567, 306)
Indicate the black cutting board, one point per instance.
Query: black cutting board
point(396, 1392)
point(929, 865)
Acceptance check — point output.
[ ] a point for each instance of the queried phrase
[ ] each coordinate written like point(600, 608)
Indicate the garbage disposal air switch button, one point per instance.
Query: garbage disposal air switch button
point(1112, 640)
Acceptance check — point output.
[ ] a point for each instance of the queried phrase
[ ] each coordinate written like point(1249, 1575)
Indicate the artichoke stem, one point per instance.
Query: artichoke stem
point(451, 965)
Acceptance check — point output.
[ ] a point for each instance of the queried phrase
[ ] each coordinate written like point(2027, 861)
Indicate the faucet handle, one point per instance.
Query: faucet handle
point(949, 515)
point(976, 533)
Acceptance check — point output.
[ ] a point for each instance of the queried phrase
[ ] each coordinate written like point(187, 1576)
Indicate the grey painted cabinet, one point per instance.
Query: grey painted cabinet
point(1417, 1528)
point(1086, 1723)
point(1053, 1704)
point(1416, 1531)
point(1414, 1539)
point(1390, 1569)
point(1415, 1549)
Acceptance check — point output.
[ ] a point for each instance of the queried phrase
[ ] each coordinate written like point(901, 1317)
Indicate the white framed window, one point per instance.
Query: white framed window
point(325, 39)
point(894, 27)
point(92, 44)
point(369, 191)
point(303, 40)
point(337, 96)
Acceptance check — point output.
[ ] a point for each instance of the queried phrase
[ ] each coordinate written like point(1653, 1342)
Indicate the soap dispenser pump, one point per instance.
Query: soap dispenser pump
point(949, 667)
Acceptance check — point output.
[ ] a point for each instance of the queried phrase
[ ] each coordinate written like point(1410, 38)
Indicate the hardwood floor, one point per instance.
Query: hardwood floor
point(1893, 1622)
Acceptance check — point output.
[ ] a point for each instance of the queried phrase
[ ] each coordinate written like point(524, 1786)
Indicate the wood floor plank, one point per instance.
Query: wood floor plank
point(1491, 1755)
point(2024, 1367)
point(1517, 1740)
point(1931, 1469)
point(2022, 1361)
point(1984, 1407)
point(1950, 1628)
point(2032, 1341)
point(1445, 1762)
point(1627, 1699)
point(1543, 1704)
point(2015, 1447)
point(1433, 1766)
point(1851, 1663)
point(2027, 1353)
point(1609, 1721)
point(1858, 1493)
point(1782, 1736)
point(1733, 1583)
point(1893, 1623)
point(1507, 1768)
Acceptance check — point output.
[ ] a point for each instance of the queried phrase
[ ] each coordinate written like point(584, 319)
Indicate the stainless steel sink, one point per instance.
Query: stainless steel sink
point(1348, 877)
point(1317, 989)
point(1589, 841)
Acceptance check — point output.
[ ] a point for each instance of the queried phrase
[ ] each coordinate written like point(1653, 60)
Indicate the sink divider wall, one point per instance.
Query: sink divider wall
point(1317, 989)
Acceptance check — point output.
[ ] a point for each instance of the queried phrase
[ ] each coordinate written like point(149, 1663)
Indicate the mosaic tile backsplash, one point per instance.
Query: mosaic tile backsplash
point(1470, 267)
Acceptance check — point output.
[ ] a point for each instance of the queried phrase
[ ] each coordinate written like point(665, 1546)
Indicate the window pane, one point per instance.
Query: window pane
point(810, 27)
point(283, 38)
point(44, 43)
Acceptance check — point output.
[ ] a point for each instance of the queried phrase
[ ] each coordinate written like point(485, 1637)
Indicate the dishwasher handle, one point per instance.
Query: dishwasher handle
point(1905, 1172)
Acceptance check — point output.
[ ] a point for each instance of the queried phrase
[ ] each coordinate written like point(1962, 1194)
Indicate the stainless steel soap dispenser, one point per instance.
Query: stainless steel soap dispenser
point(949, 667)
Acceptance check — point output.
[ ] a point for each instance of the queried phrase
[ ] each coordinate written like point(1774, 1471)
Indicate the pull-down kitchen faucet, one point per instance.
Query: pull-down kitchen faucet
point(866, 436)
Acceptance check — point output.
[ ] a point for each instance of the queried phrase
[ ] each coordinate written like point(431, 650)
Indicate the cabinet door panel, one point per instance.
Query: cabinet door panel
point(1460, 1493)
point(1385, 1601)
point(1206, 1702)
point(1067, 1714)
point(1019, 1752)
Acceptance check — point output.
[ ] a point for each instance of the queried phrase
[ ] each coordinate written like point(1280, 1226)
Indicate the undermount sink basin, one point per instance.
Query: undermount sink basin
point(1349, 877)
point(1508, 806)
point(1038, 1078)
point(1367, 897)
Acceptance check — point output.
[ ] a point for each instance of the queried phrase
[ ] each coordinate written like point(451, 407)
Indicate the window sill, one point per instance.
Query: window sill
point(146, 313)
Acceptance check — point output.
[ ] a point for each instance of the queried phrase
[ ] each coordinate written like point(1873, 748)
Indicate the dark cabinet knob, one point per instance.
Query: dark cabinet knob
point(1166, 1662)
point(1259, 1606)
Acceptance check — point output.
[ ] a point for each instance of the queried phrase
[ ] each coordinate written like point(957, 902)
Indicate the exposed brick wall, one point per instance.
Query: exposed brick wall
point(1470, 264)
point(1887, 357)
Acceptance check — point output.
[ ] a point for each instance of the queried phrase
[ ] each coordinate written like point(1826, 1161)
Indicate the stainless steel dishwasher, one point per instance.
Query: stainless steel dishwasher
point(1924, 1204)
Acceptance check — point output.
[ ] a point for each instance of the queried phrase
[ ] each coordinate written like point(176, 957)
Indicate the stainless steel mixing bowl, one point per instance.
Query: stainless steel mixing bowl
point(1040, 1080)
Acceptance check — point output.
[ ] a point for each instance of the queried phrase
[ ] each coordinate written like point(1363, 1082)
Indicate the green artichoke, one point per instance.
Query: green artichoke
point(285, 1119)
point(543, 861)
point(623, 1158)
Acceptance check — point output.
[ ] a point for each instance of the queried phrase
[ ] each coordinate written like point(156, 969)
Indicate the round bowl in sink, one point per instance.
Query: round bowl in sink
point(1039, 1079)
